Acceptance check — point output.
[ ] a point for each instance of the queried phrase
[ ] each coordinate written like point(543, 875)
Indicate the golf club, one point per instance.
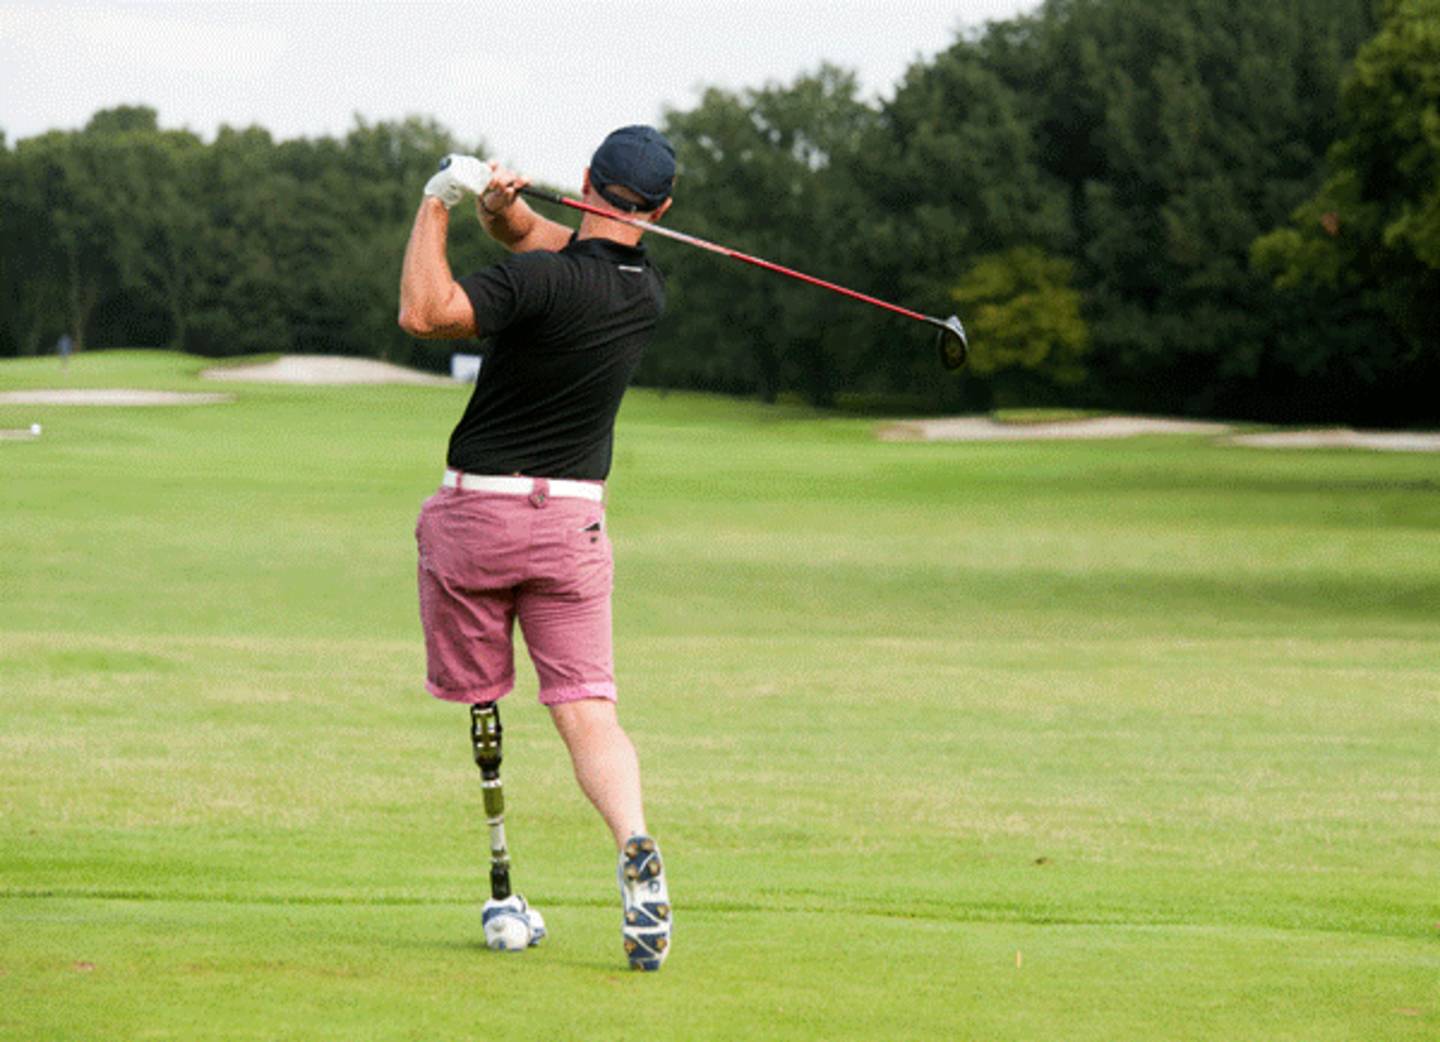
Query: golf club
point(951, 339)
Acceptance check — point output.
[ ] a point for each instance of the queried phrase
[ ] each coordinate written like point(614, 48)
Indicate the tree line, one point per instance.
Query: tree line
point(1184, 206)
point(123, 233)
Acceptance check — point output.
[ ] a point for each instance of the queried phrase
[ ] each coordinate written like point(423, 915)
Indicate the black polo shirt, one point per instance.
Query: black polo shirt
point(567, 330)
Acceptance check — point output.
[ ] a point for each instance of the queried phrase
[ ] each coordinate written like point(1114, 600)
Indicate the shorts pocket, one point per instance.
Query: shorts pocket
point(589, 568)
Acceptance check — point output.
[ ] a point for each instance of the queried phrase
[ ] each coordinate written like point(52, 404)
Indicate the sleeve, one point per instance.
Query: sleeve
point(506, 293)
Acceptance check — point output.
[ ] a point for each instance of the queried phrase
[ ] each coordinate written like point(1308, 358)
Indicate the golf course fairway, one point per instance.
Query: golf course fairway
point(1067, 741)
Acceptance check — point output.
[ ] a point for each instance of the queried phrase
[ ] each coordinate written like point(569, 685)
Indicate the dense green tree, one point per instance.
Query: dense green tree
point(1024, 318)
point(1369, 239)
point(767, 171)
point(1183, 128)
point(1119, 156)
point(1147, 140)
point(125, 233)
point(953, 173)
point(155, 194)
point(95, 216)
point(81, 221)
point(31, 267)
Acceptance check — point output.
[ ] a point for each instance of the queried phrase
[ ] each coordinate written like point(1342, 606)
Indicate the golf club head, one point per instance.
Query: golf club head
point(952, 342)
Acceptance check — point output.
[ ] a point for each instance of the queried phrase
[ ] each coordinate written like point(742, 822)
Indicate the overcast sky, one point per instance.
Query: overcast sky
point(540, 82)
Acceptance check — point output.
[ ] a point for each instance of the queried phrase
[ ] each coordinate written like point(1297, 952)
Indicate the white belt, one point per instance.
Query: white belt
point(515, 486)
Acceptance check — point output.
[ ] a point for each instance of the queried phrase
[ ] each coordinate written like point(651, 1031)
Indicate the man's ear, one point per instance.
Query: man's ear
point(659, 211)
point(585, 183)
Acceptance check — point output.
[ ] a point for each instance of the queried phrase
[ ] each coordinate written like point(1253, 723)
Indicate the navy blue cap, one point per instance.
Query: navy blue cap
point(638, 158)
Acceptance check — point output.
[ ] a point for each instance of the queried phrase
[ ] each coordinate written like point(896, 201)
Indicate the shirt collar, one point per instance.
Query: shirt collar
point(607, 248)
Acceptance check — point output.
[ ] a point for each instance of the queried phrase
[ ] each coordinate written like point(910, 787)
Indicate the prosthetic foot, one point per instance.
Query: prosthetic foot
point(511, 925)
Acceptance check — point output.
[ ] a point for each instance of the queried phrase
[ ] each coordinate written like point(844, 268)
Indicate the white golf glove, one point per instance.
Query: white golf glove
point(458, 175)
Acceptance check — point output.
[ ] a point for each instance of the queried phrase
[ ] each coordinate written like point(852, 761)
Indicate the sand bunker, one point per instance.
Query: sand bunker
point(982, 428)
point(326, 369)
point(1344, 438)
point(110, 396)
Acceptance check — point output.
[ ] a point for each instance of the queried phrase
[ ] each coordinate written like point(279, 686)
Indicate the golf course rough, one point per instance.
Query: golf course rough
point(1109, 740)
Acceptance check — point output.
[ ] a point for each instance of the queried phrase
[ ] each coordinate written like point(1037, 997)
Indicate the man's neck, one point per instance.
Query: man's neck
point(593, 226)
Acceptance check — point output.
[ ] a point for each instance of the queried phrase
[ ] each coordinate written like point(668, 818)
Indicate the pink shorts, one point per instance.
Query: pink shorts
point(488, 558)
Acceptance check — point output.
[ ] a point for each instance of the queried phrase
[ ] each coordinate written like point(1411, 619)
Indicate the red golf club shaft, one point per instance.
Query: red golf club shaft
point(670, 233)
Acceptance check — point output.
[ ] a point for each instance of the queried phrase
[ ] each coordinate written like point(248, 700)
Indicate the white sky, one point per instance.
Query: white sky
point(541, 82)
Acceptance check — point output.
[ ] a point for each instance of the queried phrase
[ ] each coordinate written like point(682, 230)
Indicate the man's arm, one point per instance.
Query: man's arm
point(510, 221)
point(432, 304)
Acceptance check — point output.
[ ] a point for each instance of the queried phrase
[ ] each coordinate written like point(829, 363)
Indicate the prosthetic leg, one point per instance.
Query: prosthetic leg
point(485, 734)
point(510, 924)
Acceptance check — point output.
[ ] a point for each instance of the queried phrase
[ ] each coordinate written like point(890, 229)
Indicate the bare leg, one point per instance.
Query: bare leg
point(609, 773)
point(605, 763)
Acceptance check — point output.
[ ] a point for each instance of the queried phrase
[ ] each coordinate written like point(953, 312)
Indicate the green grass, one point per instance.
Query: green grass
point(1159, 715)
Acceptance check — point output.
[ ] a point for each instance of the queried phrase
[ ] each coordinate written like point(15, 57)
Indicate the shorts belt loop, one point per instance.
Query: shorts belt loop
point(540, 494)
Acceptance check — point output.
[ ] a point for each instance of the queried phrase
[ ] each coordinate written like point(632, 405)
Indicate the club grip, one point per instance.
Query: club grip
point(542, 195)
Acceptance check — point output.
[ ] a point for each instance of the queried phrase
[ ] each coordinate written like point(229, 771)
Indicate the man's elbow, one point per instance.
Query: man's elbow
point(416, 323)
point(437, 318)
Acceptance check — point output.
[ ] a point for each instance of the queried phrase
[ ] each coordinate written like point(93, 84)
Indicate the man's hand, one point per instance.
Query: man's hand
point(458, 175)
point(509, 221)
point(502, 190)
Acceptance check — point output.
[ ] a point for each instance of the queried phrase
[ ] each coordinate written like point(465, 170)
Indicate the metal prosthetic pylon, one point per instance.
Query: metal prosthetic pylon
point(485, 732)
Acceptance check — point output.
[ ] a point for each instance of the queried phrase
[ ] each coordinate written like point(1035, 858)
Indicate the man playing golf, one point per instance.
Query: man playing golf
point(517, 530)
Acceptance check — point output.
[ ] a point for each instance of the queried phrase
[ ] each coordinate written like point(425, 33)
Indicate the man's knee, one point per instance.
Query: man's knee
point(586, 718)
